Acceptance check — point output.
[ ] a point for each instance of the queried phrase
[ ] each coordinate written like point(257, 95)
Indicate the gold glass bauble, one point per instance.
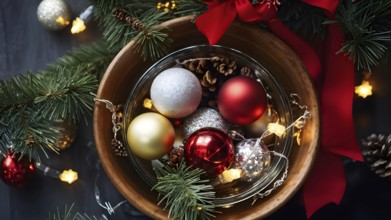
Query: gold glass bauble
point(68, 135)
point(150, 136)
point(53, 14)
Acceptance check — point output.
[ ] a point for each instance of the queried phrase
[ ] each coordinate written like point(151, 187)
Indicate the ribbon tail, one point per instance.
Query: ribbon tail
point(302, 49)
point(216, 21)
point(338, 134)
point(325, 184)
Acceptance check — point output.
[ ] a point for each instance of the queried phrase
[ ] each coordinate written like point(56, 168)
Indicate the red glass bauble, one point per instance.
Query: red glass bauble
point(241, 100)
point(209, 149)
point(16, 171)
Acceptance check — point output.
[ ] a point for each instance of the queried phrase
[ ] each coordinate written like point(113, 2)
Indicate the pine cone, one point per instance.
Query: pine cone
point(198, 66)
point(176, 155)
point(246, 71)
point(378, 154)
point(209, 81)
point(119, 14)
point(122, 16)
point(223, 65)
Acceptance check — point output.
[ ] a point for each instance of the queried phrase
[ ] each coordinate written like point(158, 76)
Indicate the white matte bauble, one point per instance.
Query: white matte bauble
point(176, 92)
point(53, 14)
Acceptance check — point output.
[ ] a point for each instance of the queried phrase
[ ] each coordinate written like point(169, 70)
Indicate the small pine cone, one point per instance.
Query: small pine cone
point(176, 155)
point(138, 25)
point(198, 66)
point(223, 65)
point(209, 81)
point(378, 154)
point(120, 14)
point(246, 71)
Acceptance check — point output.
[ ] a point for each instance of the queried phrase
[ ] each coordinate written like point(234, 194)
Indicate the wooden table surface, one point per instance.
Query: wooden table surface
point(26, 45)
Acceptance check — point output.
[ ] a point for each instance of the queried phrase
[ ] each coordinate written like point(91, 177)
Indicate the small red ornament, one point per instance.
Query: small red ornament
point(16, 171)
point(209, 149)
point(242, 100)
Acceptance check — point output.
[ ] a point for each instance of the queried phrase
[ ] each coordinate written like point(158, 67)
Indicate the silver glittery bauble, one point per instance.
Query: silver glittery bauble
point(253, 158)
point(204, 117)
point(53, 14)
point(176, 92)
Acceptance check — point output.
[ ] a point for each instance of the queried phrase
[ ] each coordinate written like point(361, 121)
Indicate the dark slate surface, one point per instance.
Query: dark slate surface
point(25, 45)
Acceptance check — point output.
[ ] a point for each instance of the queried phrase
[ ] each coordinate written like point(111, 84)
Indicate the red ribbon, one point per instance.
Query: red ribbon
point(326, 183)
point(217, 19)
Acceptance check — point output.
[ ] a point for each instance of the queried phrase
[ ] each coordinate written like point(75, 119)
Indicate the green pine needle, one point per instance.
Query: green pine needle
point(66, 93)
point(95, 57)
point(190, 7)
point(68, 214)
point(186, 195)
point(151, 42)
point(31, 105)
point(367, 41)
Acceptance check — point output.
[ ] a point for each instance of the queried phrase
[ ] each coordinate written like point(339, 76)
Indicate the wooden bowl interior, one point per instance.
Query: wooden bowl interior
point(273, 54)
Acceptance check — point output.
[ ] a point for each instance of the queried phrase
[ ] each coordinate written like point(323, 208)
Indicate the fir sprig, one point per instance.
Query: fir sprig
point(32, 104)
point(366, 41)
point(94, 57)
point(66, 94)
point(151, 40)
point(186, 194)
point(190, 7)
point(69, 214)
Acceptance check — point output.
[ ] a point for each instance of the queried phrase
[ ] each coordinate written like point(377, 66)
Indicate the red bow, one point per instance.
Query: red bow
point(326, 183)
point(217, 19)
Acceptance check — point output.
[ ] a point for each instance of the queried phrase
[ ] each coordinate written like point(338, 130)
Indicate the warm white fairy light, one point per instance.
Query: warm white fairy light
point(79, 24)
point(68, 176)
point(231, 175)
point(276, 129)
point(364, 90)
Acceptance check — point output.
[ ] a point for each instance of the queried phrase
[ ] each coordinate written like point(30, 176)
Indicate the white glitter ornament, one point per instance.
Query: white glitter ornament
point(53, 14)
point(202, 118)
point(253, 158)
point(176, 92)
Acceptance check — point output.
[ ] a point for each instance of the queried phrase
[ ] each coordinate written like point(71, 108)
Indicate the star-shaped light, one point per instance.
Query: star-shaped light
point(68, 176)
point(78, 26)
point(364, 90)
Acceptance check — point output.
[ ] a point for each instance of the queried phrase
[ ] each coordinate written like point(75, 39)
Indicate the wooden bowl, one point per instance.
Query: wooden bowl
point(287, 69)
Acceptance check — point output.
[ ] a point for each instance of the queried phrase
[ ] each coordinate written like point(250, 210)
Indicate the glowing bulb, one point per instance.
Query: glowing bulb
point(148, 103)
point(363, 90)
point(68, 176)
point(77, 26)
point(276, 129)
point(62, 21)
point(230, 175)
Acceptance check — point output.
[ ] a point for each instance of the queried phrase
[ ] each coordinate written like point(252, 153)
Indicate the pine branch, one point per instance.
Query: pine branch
point(190, 7)
point(128, 23)
point(68, 214)
point(66, 93)
point(95, 58)
point(31, 104)
point(367, 41)
point(187, 196)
